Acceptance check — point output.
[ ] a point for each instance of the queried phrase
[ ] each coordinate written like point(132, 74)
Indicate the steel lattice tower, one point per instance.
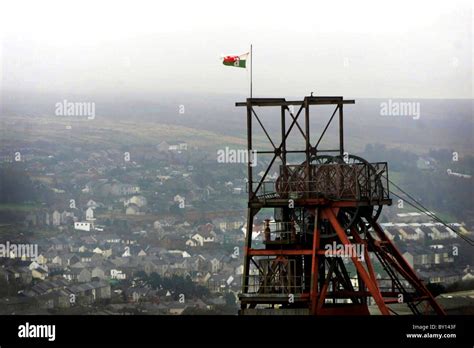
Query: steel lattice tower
point(329, 199)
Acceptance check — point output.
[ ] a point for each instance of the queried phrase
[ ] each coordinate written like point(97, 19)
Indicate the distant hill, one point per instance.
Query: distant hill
point(214, 118)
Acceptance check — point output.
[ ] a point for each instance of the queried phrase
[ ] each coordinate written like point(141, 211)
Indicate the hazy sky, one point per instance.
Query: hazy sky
point(409, 49)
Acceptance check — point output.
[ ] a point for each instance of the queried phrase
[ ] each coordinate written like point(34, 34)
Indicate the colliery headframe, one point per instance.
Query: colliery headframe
point(325, 219)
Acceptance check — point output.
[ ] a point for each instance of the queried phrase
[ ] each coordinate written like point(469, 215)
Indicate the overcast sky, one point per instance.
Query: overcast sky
point(408, 49)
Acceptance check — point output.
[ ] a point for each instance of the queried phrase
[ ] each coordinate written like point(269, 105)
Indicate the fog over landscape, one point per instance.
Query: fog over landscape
point(369, 50)
point(113, 113)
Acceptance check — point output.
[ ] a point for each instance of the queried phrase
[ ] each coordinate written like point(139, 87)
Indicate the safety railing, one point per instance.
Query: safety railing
point(278, 232)
point(359, 181)
point(261, 284)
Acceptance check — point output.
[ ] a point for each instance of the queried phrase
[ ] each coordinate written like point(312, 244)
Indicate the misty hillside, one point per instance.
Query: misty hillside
point(441, 123)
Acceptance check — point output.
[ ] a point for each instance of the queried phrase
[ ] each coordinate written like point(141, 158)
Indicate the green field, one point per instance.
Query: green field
point(19, 207)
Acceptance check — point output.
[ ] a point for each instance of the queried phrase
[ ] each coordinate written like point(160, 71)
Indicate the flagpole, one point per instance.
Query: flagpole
point(251, 63)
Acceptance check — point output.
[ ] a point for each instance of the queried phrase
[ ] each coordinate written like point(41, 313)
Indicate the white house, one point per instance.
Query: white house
point(139, 201)
point(437, 234)
point(42, 259)
point(33, 265)
point(56, 218)
point(183, 254)
point(192, 243)
point(215, 265)
point(179, 199)
point(132, 209)
point(90, 214)
point(57, 260)
point(202, 238)
point(39, 273)
point(420, 233)
point(468, 275)
point(239, 270)
point(198, 238)
point(82, 226)
point(98, 250)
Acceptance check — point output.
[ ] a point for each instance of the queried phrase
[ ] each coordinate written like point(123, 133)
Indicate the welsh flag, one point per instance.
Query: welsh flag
point(236, 61)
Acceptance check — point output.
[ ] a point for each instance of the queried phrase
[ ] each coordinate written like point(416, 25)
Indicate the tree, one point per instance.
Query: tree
point(229, 298)
point(436, 289)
